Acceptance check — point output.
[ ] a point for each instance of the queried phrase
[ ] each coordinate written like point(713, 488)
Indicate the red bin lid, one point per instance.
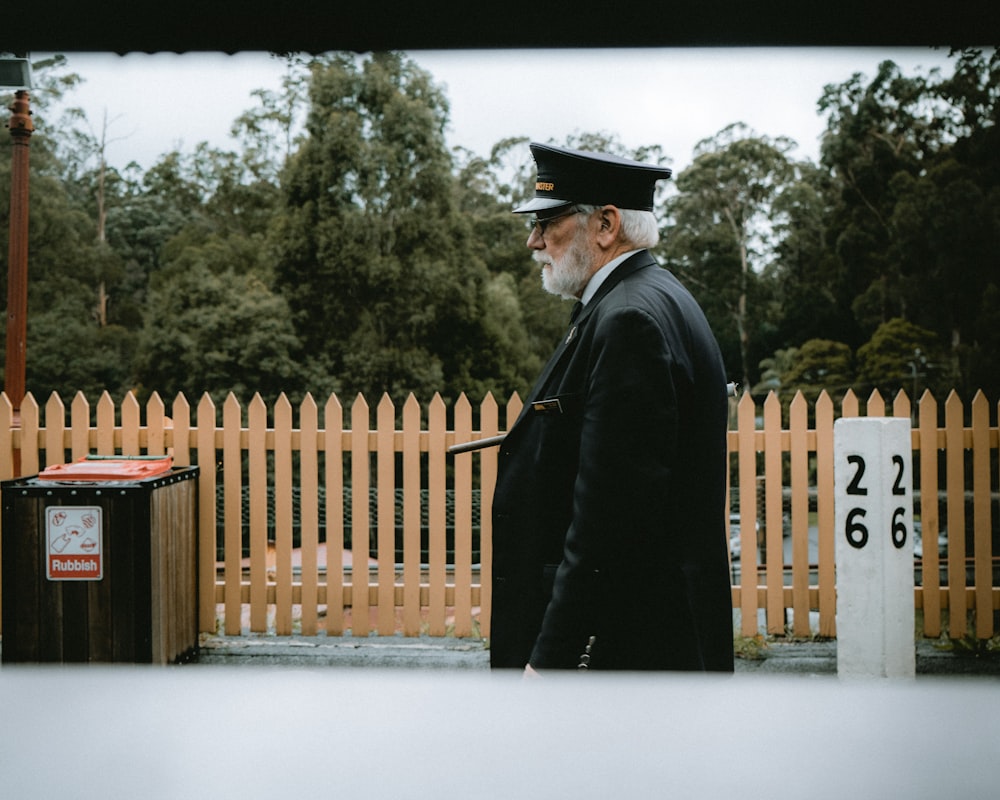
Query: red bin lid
point(108, 468)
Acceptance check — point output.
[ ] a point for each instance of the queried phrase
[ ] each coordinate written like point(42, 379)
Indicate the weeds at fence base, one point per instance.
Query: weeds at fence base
point(970, 647)
point(965, 646)
point(750, 648)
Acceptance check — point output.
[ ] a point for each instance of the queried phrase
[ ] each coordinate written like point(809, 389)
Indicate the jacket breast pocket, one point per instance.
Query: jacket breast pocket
point(555, 430)
point(567, 406)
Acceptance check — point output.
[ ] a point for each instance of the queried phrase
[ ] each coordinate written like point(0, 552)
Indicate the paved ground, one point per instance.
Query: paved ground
point(430, 653)
point(810, 658)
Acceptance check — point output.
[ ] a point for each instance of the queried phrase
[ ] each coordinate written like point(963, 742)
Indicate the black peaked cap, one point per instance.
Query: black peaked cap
point(568, 177)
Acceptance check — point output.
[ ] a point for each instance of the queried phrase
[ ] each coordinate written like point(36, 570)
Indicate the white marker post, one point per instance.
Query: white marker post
point(873, 491)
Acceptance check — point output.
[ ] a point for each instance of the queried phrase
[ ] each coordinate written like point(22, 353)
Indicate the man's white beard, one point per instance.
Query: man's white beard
point(568, 276)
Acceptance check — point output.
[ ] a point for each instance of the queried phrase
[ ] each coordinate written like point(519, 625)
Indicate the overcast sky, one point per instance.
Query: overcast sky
point(671, 97)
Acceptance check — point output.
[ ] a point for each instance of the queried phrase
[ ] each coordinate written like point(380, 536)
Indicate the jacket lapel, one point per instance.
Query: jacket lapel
point(578, 319)
point(629, 266)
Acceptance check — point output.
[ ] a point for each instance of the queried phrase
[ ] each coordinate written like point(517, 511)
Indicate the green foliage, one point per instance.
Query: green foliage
point(213, 325)
point(720, 237)
point(980, 367)
point(774, 371)
point(750, 648)
point(393, 289)
point(67, 349)
point(902, 225)
point(900, 355)
point(818, 365)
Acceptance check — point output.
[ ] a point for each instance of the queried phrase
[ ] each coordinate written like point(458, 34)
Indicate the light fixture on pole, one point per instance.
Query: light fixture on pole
point(15, 72)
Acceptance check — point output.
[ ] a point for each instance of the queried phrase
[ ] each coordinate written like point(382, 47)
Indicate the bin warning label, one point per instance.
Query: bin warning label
point(73, 539)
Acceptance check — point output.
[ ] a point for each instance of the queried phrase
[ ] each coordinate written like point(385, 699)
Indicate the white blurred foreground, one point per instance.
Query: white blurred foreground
point(126, 732)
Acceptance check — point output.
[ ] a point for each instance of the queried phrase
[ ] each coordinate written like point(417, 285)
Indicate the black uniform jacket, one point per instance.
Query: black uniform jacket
point(609, 509)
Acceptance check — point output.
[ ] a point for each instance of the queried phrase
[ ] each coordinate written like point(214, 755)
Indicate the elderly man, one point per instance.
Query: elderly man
point(609, 548)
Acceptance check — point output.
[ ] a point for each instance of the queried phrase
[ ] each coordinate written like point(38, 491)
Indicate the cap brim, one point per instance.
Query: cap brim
point(541, 204)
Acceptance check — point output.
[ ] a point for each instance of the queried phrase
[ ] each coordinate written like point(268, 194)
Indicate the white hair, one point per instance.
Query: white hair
point(639, 228)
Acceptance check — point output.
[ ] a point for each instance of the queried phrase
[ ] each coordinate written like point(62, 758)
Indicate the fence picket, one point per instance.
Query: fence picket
point(462, 524)
point(982, 545)
point(826, 576)
point(207, 460)
point(257, 477)
point(749, 534)
point(309, 514)
point(180, 427)
point(488, 423)
point(333, 459)
point(55, 430)
point(799, 477)
point(105, 425)
point(411, 517)
point(130, 425)
point(232, 530)
point(849, 406)
point(955, 480)
point(436, 515)
point(9, 457)
point(79, 421)
point(156, 423)
point(875, 407)
point(30, 427)
point(386, 537)
point(283, 515)
point(929, 517)
point(360, 517)
point(773, 516)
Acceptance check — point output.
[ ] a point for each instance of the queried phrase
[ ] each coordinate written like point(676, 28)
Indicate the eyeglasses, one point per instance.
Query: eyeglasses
point(541, 224)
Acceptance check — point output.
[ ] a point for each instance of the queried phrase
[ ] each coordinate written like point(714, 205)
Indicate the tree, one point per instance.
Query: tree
point(384, 276)
point(818, 365)
point(917, 222)
point(947, 233)
point(271, 131)
point(720, 236)
point(69, 352)
point(875, 132)
point(773, 371)
point(214, 325)
point(812, 298)
point(901, 355)
point(982, 370)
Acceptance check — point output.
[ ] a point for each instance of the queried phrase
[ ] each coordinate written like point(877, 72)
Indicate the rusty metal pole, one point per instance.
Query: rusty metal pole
point(17, 264)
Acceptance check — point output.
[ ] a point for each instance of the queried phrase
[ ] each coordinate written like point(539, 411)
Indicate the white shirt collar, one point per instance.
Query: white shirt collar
point(601, 275)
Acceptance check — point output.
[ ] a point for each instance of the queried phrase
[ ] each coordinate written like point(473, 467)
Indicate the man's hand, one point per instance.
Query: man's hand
point(530, 672)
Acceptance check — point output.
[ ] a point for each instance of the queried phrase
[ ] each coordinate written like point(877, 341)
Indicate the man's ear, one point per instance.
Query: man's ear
point(609, 226)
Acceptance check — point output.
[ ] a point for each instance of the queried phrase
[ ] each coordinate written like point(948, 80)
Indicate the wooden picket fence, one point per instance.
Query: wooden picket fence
point(318, 524)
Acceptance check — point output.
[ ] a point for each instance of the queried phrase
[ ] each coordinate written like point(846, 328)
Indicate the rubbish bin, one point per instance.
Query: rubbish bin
point(99, 562)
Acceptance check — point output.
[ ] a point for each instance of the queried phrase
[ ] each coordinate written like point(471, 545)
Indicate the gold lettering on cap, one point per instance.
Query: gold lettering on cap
point(544, 186)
